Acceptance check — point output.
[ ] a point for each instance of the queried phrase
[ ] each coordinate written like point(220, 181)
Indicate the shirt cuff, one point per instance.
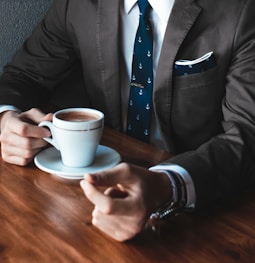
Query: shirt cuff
point(4, 108)
point(190, 189)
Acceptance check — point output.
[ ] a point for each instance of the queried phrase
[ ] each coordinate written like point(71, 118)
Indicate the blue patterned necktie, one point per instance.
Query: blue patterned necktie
point(140, 97)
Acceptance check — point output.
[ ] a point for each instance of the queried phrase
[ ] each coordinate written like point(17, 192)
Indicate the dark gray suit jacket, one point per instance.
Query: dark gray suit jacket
point(208, 118)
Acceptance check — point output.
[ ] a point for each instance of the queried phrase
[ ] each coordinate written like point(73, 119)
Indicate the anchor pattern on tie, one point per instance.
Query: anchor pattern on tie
point(140, 97)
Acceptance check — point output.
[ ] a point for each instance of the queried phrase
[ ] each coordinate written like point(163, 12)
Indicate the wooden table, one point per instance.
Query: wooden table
point(45, 219)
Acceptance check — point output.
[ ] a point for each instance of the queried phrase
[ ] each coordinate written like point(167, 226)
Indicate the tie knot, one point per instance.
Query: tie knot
point(144, 7)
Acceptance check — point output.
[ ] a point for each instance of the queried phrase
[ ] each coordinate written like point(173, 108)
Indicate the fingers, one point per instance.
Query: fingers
point(114, 216)
point(124, 185)
point(117, 198)
point(35, 116)
point(120, 228)
point(95, 196)
point(20, 136)
point(132, 194)
point(19, 133)
point(24, 124)
point(16, 132)
point(21, 157)
point(19, 150)
point(116, 192)
point(106, 203)
point(27, 124)
point(110, 177)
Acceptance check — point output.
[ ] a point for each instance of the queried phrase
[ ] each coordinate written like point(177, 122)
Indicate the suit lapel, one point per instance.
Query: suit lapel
point(183, 16)
point(108, 41)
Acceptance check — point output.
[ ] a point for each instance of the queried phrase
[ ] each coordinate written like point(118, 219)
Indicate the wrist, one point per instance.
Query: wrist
point(178, 200)
point(162, 190)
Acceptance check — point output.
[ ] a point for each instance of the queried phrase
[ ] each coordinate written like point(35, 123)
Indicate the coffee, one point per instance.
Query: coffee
point(77, 116)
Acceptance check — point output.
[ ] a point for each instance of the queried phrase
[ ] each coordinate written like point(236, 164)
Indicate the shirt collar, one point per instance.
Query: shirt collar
point(162, 7)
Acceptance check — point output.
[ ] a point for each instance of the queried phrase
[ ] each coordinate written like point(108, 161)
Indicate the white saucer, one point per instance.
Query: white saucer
point(49, 160)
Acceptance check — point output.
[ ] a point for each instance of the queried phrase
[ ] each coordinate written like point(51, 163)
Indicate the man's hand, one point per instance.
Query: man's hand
point(132, 193)
point(21, 139)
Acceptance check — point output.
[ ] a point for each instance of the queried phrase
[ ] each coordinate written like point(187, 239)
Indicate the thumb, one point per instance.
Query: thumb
point(47, 117)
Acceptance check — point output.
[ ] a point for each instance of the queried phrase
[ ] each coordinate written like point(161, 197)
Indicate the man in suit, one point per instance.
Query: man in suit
point(205, 117)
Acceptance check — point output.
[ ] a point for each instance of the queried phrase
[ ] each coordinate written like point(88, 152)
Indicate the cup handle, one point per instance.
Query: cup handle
point(51, 139)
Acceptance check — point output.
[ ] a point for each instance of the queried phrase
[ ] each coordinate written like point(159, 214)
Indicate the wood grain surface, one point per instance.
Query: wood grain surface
point(47, 219)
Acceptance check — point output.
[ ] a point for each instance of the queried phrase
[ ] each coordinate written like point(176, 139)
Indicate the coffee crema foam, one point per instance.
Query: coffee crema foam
point(77, 116)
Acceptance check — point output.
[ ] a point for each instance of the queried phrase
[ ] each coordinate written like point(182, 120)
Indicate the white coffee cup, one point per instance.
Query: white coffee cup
point(76, 133)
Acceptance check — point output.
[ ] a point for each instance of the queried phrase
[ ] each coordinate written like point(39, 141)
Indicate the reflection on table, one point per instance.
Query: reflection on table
point(45, 218)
